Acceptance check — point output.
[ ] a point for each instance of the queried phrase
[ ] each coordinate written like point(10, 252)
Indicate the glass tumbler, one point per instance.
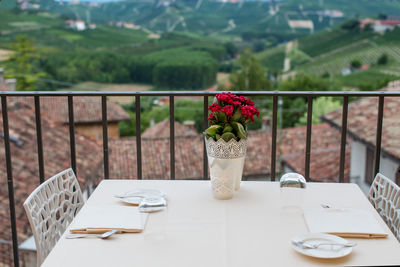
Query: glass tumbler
point(292, 187)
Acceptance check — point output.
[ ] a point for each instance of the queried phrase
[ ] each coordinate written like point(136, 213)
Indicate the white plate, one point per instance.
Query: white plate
point(322, 252)
point(135, 196)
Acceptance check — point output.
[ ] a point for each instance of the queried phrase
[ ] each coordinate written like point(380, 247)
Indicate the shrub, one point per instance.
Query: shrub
point(383, 59)
point(356, 63)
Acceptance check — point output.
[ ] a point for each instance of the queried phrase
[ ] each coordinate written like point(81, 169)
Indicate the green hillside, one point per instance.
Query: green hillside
point(331, 40)
point(209, 17)
point(49, 30)
point(330, 52)
point(202, 33)
point(273, 58)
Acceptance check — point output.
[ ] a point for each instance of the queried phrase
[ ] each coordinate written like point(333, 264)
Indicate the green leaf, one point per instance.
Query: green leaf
point(213, 130)
point(221, 117)
point(241, 132)
point(237, 115)
point(228, 128)
point(228, 136)
point(208, 136)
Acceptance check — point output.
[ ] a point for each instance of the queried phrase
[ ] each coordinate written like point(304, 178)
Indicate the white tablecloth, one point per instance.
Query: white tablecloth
point(197, 230)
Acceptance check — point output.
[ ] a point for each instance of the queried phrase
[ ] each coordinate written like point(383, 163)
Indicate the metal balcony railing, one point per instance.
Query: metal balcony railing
point(172, 94)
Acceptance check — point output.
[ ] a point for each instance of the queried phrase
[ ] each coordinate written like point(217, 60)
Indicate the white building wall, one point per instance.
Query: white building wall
point(357, 161)
point(388, 167)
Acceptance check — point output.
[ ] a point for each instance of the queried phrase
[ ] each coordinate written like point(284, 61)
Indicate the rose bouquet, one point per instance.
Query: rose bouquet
point(229, 116)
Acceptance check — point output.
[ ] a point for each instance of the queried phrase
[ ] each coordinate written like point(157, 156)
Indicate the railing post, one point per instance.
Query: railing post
point(205, 126)
point(105, 136)
point(379, 135)
point(10, 180)
point(308, 138)
point(39, 139)
point(274, 130)
point(72, 133)
point(343, 139)
point(172, 136)
point(138, 139)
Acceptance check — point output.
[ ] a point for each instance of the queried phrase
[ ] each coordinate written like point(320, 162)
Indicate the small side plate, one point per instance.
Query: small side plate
point(134, 197)
point(323, 252)
point(131, 200)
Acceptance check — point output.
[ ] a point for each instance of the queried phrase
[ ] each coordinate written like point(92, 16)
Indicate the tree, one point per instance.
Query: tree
point(252, 76)
point(258, 46)
point(20, 64)
point(350, 25)
point(326, 75)
point(356, 63)
point(368, 27)
point(382, 16)
point(185, 110)
point(321, 106)
point(231, 49)
point(383, 59)
point(294, 108)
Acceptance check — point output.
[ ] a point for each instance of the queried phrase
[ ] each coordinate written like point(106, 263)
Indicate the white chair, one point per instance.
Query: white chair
point(384, 195)
point(50, 208)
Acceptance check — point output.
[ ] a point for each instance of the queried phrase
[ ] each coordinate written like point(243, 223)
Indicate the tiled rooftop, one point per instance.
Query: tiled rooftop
point(155, 158)
point(189, 154)
point(362, 121)
point(161, 130)
point(87, 109)
point(25, 162)
point(291, 147)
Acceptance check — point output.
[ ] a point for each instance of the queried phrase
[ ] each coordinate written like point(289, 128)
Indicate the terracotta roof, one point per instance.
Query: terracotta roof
point(189, 155)
point(155, 158)
point(324, 164)
point(161, 130)
point(391, 22)
point(87, 109)
point(291, 147)
point(25, 162)
point(362, 121)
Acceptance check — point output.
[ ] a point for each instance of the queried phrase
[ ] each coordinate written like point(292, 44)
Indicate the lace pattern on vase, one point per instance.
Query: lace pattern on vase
point(51, 208)
point(226, 150)
point(222, 186)
point(385, 197)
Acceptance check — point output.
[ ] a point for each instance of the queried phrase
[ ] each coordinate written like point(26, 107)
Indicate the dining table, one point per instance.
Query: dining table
point(252, 229)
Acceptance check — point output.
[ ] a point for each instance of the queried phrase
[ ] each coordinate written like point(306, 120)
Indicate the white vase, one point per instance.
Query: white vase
point(226, 162)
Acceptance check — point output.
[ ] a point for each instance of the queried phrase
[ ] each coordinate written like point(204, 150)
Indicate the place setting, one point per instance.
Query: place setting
point(328, 226)
point(148, 200)
point(104, 221)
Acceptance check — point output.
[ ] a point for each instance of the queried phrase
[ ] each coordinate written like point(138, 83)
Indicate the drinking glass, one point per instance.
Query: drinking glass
point(292, 187)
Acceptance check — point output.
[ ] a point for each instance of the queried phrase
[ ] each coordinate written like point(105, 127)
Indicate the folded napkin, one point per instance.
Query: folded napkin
point(100, 219)
point(343, 222)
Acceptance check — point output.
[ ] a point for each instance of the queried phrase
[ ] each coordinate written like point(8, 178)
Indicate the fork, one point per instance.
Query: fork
point(305, 245)
point(102, 236)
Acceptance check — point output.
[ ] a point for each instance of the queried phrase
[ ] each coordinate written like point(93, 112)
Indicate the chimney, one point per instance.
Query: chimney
point(152, 123)
point(11, 84)
point(189, 125)
point(1, 76)
point(266, 123)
